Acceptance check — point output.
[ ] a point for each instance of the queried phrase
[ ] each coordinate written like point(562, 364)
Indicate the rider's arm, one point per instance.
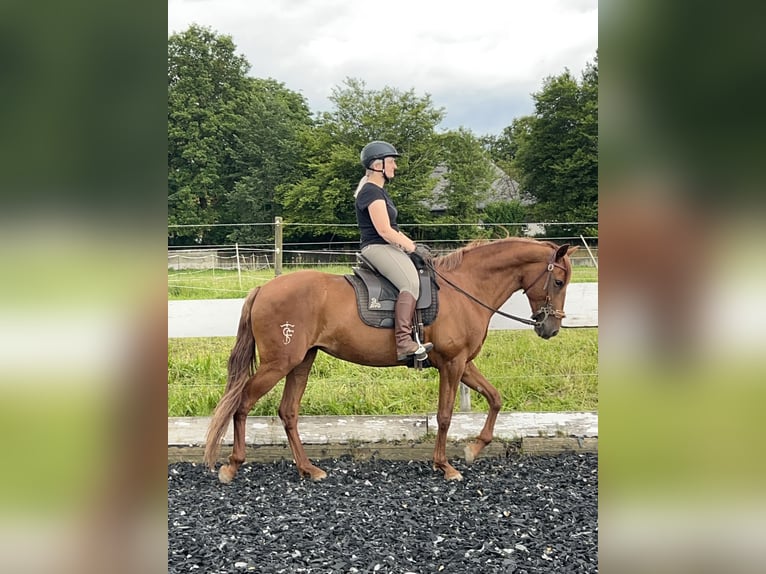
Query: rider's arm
point(379, 216)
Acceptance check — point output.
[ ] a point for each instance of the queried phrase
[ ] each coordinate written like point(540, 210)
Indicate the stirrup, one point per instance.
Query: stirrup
point(420, 354)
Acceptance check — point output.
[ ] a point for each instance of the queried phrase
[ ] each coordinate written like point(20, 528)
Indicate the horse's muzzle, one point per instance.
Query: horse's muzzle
point(548, 320)
point(546, 333)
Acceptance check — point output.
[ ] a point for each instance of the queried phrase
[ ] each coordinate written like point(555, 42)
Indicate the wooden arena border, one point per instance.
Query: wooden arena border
point(393, 437)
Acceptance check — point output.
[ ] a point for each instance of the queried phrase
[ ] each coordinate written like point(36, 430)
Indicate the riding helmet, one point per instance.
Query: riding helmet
point(377, 150)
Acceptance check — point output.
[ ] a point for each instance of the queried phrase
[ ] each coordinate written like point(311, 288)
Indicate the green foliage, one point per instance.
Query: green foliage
point(207, 94)
point(232, 140)
point(272, 154)
point(531, 374)
point(557, 153)
point(325, 194)
point(502, 212)
point(503, 148)
point(554, 153)
point(244, 150)
point(467, 180)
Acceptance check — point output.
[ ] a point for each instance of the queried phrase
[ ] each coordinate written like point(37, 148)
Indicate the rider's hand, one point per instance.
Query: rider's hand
point(423, 252)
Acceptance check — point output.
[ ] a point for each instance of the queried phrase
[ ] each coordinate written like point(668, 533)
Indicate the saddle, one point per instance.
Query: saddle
point(376, 295)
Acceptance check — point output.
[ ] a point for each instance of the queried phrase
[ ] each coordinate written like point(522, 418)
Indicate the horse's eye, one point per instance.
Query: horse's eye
point(559, 283)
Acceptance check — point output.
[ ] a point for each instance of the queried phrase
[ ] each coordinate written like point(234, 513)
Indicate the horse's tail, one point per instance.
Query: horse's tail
point(242, 364)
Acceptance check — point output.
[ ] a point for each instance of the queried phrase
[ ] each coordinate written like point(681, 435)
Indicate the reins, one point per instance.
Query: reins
point(475, 300)
point(545, 310)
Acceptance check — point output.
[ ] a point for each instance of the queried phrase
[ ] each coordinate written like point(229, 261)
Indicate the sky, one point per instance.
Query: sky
point(480, 60)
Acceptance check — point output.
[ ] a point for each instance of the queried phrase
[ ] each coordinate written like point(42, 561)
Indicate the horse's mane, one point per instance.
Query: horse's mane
point(452, 260)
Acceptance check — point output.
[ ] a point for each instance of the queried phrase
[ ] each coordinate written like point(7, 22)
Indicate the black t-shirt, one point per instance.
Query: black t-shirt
point(369, 193)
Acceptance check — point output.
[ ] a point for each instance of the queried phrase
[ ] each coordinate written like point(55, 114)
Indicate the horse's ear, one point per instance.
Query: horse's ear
point(564, 250)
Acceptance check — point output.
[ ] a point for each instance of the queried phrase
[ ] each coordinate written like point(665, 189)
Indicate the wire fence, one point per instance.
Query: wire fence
point(257, 258)
point(267, 255)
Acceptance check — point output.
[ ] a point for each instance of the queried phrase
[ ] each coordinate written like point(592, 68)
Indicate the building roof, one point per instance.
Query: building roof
point(503, 188)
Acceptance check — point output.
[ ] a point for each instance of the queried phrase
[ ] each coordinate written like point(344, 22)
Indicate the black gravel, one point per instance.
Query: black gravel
point(522, 514)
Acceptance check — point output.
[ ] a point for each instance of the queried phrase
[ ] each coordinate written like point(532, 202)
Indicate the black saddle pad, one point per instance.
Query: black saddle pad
point(376, 297)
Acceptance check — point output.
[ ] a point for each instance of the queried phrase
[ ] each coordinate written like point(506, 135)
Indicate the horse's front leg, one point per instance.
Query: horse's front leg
point(295, 385)
point(476, 381)
point(449, 377)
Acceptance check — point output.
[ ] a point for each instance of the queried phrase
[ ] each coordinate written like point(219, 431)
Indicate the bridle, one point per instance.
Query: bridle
point(542, 314)
point(548, 309)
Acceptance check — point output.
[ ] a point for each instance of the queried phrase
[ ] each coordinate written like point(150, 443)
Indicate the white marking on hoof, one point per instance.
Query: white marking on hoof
point(224, 476)
point(469, 456)
point(316, 474)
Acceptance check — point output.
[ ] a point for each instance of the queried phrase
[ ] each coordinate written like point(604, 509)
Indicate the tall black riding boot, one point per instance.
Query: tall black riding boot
point(404, 310)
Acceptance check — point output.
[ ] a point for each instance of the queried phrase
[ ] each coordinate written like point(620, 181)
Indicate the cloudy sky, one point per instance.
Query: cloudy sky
point(480, 60)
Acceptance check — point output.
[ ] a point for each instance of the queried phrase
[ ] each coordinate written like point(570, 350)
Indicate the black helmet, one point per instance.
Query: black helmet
point(377, 150)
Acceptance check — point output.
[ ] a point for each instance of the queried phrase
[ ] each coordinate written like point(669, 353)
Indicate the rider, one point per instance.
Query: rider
point(385, 246)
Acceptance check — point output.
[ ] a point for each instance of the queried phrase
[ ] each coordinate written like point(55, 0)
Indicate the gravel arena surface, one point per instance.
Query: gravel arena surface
point(520, 514)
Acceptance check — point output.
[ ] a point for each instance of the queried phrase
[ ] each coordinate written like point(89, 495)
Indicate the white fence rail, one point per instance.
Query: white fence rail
point(220, 317)
point(274, 253)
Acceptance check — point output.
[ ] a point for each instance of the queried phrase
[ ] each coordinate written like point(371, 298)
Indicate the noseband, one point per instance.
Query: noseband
point(547, 310)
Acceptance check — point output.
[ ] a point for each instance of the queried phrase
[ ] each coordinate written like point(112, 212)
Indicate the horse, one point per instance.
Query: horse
point(293, 316)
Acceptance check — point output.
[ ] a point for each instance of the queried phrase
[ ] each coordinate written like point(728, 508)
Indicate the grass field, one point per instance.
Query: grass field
point(228, 284)
point(531, 374)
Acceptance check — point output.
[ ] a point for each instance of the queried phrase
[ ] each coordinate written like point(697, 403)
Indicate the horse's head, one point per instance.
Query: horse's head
point(546, 285)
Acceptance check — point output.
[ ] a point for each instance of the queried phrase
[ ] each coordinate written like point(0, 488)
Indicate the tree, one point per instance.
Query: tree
point(325, 194)
point(270, 156)
point(503, 148)
point(504, 212)
point(207, 95)
point(556, 150)
point(467, 180)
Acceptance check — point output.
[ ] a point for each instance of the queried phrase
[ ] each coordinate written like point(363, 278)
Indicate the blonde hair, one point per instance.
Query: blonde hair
point(365, 178)
point(361, 185)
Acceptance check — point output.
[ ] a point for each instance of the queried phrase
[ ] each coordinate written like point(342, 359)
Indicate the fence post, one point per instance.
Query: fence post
point(595, 263)
point(465, 398)
point(277, 246)
point(239, 270)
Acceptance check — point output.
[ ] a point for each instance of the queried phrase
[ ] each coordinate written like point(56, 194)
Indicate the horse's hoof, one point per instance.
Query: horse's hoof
point(225, 475)
point(450, 472)
point(470, 456)
point(314, 473)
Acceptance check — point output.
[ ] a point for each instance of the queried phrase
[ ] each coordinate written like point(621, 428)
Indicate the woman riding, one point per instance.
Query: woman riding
point(385, 246)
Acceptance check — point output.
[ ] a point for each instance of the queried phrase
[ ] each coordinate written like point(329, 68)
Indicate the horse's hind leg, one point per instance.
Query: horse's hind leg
point(295, 385)
point(476, 381)
point(259, 384)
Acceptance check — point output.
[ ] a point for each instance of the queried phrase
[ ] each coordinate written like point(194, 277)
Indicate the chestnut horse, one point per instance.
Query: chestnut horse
point(293, 316)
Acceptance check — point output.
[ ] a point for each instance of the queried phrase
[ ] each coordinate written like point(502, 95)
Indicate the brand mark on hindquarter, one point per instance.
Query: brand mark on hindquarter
point(288, 330)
